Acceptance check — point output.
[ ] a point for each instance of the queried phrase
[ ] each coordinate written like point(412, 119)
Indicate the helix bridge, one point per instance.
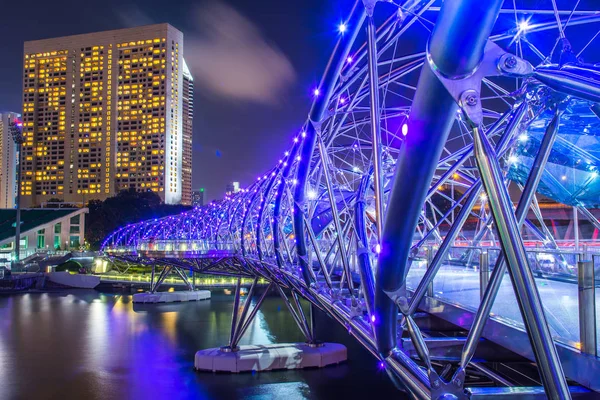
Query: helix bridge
point(413, 198)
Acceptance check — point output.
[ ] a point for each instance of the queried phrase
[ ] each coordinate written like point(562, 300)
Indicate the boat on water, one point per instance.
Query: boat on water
point(79, 281)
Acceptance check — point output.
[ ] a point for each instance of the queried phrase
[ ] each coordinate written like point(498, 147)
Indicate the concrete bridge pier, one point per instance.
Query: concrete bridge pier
point(154, 296)
point(246, 358)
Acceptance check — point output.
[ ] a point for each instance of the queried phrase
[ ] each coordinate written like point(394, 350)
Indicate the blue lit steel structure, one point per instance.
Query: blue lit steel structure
point(424, 117)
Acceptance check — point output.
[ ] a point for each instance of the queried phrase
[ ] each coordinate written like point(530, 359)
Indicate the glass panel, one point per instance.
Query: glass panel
point(596, 260)
point(41, 242)
point(416, 271)
point(74, 229)
point(457, 281)
point(75, 219)
point(57, 228)
point(57, 242)
point(74, 241)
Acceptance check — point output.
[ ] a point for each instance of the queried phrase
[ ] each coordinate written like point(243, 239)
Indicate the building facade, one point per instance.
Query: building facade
point(42, 229)
point(187, 120)
point(8, 161)
point(198, 198)
point(232, 187)
point(102, 112)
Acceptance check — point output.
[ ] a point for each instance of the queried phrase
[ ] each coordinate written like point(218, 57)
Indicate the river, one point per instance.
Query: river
point(96, 345)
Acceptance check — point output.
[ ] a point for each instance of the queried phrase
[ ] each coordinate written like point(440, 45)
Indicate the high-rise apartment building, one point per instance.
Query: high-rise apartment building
point(8, 161)
point(187, 118)
point(198, 198)
point(102, 112)
point(232, 187)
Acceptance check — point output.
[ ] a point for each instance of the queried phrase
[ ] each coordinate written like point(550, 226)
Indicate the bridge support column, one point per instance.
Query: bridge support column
point(484, 272)
point(152, 278)
point(236, 358)
point(429, 258)
point(153, 296)
point(161, 277)
point(184, 278)
point(587, 307)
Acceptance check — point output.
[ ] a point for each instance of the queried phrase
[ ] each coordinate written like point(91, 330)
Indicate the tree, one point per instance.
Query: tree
point(127, 207)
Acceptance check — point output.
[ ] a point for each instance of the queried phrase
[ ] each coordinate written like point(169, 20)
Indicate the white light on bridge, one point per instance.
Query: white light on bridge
point(524, 26)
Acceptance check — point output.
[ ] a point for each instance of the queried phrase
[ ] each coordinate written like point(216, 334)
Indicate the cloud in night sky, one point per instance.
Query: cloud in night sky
point(229, 57)
point(227, 54)
point(132, 16)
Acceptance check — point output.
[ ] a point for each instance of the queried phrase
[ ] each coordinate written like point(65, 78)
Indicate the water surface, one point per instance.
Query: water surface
point(93, 345)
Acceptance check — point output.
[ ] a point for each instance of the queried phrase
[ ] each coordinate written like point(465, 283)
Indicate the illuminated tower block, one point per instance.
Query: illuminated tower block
point(102, 112)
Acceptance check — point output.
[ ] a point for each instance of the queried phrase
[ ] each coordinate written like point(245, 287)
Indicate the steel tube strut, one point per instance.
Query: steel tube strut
point(528, 297)
point(365, 269)
point(455, 49)
point(317, 112)
point(471, 195)
point(253, 313)
point(242, 319)
point(234, 314)
point(375, 114)
point(493, 285)
point(335, 215)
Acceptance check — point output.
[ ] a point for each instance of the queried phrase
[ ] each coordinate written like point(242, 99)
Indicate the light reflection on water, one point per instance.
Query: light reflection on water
point(87, 344)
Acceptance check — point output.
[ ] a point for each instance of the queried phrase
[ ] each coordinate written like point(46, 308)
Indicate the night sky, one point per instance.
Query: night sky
point(254, 63)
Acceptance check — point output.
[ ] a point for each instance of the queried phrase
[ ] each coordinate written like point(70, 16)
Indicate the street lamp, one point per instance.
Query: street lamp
point(15, 128)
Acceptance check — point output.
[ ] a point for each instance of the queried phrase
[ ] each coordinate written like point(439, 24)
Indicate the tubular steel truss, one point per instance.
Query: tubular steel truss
point(424, 117)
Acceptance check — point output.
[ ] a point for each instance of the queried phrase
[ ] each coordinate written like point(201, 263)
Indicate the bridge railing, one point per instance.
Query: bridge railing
point(570, 303)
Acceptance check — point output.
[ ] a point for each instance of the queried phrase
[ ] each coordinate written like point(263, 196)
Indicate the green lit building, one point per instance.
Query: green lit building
point(42, 229)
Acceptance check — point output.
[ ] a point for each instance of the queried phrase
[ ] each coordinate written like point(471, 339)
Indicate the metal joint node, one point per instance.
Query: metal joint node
point(403, 305)
point(317, 125)
point(465, 89)
point(370, 6)
point(511, 65)
point(442, 390)
point(356, 310)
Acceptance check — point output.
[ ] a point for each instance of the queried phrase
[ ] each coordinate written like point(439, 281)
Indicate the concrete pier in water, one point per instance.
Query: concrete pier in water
point(270, 357)
point(171, 297)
